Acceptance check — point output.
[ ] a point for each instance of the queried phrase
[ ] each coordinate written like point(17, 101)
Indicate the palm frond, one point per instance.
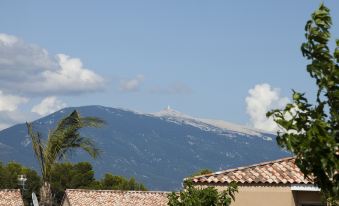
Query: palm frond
point(66, 137)
point(72, 119)
point(38, 147)
point(84, 143)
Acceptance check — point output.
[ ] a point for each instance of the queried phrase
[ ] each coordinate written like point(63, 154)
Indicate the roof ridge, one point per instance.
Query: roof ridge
point(280, 171)
point(117, 191)
point(115, 197)
point(242, 167)
point(9, 190)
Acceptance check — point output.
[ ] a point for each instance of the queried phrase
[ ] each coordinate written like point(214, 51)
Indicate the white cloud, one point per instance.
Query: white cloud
point(131, 85)
point(10, 103)
point(262, 98)
point(9, 118)
point(29, 69)
point(8, 39)
point(9, 113)
point(48, 105)
point(41, 74)
point(175, 88)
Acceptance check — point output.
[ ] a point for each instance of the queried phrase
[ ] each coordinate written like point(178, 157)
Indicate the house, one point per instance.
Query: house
point(11, 197)
point(278, 183)
point(82, 197)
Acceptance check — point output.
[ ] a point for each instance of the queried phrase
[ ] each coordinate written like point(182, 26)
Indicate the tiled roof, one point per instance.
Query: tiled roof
point(11, 198)
point(81, 197)
point(282, 171)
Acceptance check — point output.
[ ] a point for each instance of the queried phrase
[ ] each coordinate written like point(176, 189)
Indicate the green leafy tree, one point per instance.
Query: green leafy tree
point(311, 132)
point(9, 179)
point(62, 140)
point(81, 176)
point(111, 182)
point(194, 196)
point(70, 176)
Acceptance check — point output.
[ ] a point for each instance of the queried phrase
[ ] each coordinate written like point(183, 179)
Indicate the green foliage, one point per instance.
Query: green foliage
point(62, 140)
point(70, 176)
point(81, 176)
point(311, 132)
point(202, 172)
point(111, 182)
point(209, 196)
point(63, 176)
point(9, 179)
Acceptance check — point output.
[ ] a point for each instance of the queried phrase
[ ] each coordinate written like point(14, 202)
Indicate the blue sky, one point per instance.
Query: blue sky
point(200, 57)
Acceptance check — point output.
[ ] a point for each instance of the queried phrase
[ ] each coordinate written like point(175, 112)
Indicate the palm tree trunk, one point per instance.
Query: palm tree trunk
point(46, 194)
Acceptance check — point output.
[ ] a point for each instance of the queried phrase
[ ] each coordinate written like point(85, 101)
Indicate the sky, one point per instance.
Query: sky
point(228, 60)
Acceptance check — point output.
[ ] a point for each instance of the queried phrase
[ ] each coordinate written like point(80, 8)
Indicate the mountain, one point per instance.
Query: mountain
point(159, 149)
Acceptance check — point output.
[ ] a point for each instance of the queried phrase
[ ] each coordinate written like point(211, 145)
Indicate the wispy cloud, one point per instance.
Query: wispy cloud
point(261, 99)
point(10, 102)
point(172, 89)
point(131, 85)
point(9, 113)
point(48, 105)
point(9, 118)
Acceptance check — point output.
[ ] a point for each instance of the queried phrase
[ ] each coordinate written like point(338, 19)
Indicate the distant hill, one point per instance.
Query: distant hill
point(158, 149)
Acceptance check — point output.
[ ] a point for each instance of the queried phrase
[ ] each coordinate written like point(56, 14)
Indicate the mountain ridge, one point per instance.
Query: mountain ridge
point(158, 149)
point(221, 124)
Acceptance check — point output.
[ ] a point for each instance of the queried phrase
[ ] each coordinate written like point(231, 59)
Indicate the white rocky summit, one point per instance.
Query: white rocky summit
point(208, 124)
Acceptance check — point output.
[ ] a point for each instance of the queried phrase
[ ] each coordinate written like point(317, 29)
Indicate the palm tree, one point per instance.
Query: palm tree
point(63, 139)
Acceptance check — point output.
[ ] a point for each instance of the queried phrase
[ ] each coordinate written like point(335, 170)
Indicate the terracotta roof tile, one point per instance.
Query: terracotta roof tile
point(280, 171)
point(11, 198)
point(81, 197)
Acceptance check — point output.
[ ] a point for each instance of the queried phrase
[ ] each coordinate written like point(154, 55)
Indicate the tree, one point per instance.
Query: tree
point(70, 176)
point(9, 179)
point(311, 132)
point(62, 140)
point(64, 176)
point(194, 196)
point(111, 182)
point(81, 176)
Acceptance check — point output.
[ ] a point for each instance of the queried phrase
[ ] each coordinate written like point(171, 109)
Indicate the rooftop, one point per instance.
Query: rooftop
point(11, 197)
point(281, 171)
point(82, 197)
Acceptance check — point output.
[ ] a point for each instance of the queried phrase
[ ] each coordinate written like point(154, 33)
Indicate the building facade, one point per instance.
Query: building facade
point(278, 183)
